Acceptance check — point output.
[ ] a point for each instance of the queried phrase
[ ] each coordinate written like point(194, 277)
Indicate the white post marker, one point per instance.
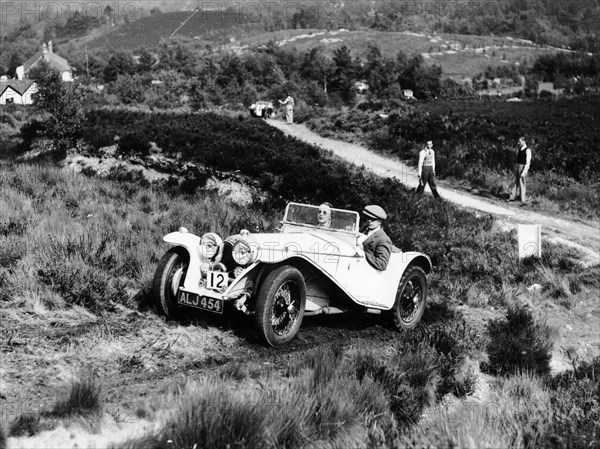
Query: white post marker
point(530, 240)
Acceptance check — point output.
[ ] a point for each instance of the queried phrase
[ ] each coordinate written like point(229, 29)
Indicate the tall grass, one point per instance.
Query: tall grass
point(517, 413)
point(324, 401)
point(82, 398)
point(94, 242)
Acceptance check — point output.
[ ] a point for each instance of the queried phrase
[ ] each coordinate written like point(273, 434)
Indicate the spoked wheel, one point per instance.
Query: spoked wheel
point(411, 298)
point(168, 277)
point(280, 306)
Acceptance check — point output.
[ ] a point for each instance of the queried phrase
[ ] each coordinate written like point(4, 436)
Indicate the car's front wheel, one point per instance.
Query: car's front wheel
point(411, 298)
point(280, 306)
point(168, 277)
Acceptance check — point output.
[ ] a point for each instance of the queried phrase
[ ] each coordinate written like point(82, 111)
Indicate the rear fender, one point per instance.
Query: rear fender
point(419, 260)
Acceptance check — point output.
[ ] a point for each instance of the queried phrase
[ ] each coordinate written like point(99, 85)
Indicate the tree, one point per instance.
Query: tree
point(121, 63)
point(530, 90)
point(128, 88)
point(342, 80)
point(425, 81)
point(59, 100)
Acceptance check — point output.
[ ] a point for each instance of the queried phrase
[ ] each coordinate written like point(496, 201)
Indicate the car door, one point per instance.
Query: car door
point(367, 285)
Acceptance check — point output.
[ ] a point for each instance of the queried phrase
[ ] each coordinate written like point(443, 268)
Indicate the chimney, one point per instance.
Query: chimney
point(45, 52)
point(49, 46)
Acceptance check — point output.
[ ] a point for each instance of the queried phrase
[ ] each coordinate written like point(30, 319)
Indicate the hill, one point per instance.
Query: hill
point(459, 55)
point(149, 31)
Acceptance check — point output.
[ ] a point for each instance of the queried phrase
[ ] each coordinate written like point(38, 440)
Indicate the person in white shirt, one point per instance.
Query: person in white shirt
point(289, 109)
point(521, 169)
point(426, 170)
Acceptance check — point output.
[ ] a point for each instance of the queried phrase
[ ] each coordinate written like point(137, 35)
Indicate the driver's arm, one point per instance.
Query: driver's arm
point(381, 257)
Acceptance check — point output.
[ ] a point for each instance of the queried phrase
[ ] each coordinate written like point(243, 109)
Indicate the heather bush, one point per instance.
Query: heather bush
point(575, 398)
point(519, 343)
point(516, 413)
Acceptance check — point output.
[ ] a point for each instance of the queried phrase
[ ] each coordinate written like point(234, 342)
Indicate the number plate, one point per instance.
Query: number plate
point(201, 302)
point(217, 280)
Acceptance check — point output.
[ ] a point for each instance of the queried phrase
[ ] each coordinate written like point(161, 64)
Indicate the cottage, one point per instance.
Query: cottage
point(17, 91)
point(407, 94)
point(52, 59)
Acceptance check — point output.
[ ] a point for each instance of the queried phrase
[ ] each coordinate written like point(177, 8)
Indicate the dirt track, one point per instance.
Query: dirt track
point(585, 237)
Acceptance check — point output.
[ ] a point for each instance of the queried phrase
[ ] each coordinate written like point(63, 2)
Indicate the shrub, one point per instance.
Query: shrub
point(211, 415)
point(134, 143)
point(457, 346)
point(25, 425)
point(519, 343)
point(409, 379)
point(83, 398)
point(575, 397)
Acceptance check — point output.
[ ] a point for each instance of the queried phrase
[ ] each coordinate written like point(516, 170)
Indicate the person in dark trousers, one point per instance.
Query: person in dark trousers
point(521, 169)
point(376, 243)
point(426, 170)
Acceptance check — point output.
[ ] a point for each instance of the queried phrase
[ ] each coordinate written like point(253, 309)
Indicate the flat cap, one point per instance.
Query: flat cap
point(375, 211)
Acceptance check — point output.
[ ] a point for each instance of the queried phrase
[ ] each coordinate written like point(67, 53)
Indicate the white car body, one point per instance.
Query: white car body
point(335, 271)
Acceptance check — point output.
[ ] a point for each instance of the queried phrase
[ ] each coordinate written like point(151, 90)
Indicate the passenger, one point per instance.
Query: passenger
point(324, 215)
point(376, 243)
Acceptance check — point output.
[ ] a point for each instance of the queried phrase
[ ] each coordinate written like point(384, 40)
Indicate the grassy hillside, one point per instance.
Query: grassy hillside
point(459, 55)
point(212, 28)
point(76, 258)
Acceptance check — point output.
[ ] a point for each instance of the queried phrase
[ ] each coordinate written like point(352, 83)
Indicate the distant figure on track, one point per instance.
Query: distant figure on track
point(289, 109)
point(521, 169)
point(426, 170)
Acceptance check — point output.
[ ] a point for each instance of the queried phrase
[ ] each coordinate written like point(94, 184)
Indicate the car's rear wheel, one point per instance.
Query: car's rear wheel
point(168, 277)
point(280, 306)
point(411, 298)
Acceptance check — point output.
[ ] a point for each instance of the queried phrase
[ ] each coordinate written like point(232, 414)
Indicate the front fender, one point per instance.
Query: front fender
point(191, 243)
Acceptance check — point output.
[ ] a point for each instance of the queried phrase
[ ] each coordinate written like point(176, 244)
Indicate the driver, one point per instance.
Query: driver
point(376, 243)
point(324, 215)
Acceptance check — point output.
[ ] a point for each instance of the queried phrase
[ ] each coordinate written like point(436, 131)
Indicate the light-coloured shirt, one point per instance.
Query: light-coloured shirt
point(426, 159)
point(288, 101)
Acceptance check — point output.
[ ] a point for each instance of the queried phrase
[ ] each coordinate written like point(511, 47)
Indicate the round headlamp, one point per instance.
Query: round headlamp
point(210, 245)
point(243, 253)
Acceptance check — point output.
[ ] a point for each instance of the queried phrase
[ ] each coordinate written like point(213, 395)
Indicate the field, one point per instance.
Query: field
point(85, 353)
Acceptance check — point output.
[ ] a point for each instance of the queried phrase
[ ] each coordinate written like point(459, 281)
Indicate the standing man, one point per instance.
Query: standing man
point(376, 243)
point(521, 169)
point(289, 109)
point(426, 170)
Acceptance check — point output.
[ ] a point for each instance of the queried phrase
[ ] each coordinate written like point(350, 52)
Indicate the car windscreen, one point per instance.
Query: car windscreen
point(308, 215)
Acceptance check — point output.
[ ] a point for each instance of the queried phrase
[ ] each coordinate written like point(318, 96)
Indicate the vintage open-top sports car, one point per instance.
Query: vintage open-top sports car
point(261, 109)
point(304, 269)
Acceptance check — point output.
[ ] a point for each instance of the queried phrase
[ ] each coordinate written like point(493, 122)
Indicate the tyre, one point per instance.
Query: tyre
point(168, 277)
point(267, 113)
point(411, 298)
point(280, 306)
